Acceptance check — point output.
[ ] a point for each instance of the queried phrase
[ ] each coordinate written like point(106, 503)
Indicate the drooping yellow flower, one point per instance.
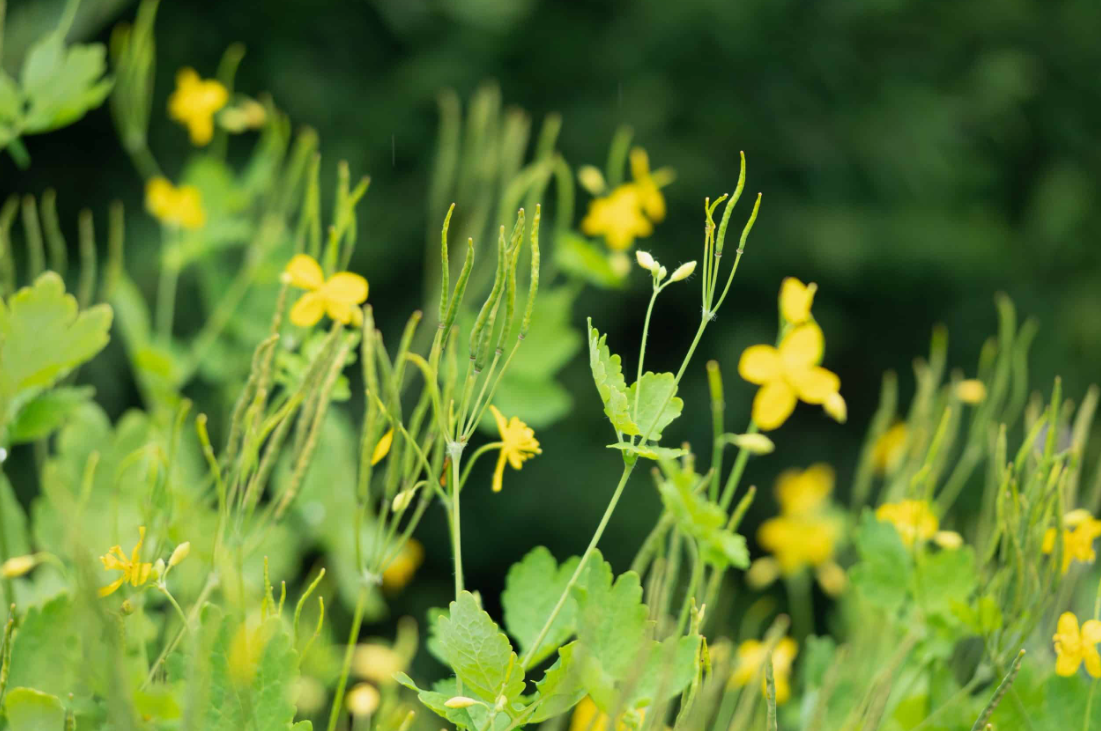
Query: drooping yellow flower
point(890, 448)
point(382, 448)
point(181, 207)
point(401, 570)
point(1074, 646)
point(787, 374)
point(1080, 531)
point(588, 717)
point(649, 189)
point(800, 541)
point(751, 657)
point(518, 444)
point(194, 103)
point(618, 217)
point(339, 296)
point(132, 568)
point(804, 491)
point(796, 299)
point(971, 391)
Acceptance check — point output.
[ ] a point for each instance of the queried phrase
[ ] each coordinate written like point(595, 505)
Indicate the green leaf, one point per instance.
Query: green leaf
point(47, 412)
point(31, 710)
point(479, 652)
point(670, 667)
point(657, 404)
point(883, 574)
point(612, 621)
point(608, 376)
point(532, 588)
point(560, 689)
point(42, 337)
point(11, 101)
point(577, 256)
point(650, 451)
point(947, 577)
point(46, 652)
point(61, 84)
point(700, 518)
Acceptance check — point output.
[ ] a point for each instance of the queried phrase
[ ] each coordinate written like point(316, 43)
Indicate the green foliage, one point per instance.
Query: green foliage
point(653, 404)
point(479, 652)
point(532, 588)
point(47, 412)
point(883, 574)
point(27, 709)
point(42, 337)
point(608, 375)
point(46, 653)
point(700, 519)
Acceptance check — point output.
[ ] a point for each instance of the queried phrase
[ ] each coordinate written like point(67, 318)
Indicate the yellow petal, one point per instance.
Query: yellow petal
point(802, 347)
point(346, 287)
point(970, 391)
point(304, 272)
point(499, 473)
point(112, 587)
point(1091, 631)
point(815, 384)
point(1067, 625)
point(796, 299)
point(759, 364)
point(308, 309)
point(383, 447)
point(948, 539)
point(340, 311)
point(1093, 661)
point(773, 404)
point(502, 422)
point(835, 406)
point(1049, 541)
point(1067, 665)
point(762, 572)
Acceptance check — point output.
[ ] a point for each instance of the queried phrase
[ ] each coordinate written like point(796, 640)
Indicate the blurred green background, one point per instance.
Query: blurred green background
point(915, 159)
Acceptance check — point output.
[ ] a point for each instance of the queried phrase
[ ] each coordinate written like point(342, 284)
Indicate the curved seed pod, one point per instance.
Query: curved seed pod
point(730, 207)
point(510, 285)
point(534, 288)
point(445, 267)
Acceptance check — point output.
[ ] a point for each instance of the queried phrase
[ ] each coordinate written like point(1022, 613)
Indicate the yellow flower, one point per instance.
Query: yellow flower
point(132, 568)
point(587, 717)
point(405, 564)
point(618, 218)
point(913, 519)
point(971, 391)
point(181, 207)
point(890, 448)
point(649, 189)
point(799, 541)
point(1072, 646)
point(194, 103)
point(796, 299)
point(804, 491)
point(376, 662)
point(382, 448)
point(948, 539)
point(518, 444)
point(787, 374)
point(1081, 530)
point(836, 408)
point(751, 657)
point(339, 296)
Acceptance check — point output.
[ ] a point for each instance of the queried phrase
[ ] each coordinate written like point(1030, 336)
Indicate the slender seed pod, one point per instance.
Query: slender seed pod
point(87, 287)
point(445, 267)
point(534, 288)
point(55, 240)
point(476, 334)
point(457, 296)
point(510, 288)
point(730, 208)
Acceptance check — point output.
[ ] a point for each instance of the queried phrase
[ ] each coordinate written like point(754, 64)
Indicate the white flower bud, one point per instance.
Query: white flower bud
point(18, 566)
point(460, 701)
point(180, 553)
point(683, 271)
point(661, 273)
point(645, 260)
point(402, 500)
point(362, 700)
point(752, 443)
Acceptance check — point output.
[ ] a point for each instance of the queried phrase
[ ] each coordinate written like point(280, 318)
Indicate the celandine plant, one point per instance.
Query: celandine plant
point(969, 528)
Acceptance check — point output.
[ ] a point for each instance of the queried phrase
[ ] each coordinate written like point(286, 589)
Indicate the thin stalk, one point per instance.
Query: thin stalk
point(456, 526)
point(166, 288)
point(642, 346)
point(357, 619)
point(477, 453)
point(627, 470)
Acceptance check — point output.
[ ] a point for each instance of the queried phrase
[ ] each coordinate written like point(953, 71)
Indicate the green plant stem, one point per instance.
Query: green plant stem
point(799, 602)
point(357, 620)
point(176, 606)
point(9, 594)
point(736, 472)
point(1089, 706)
point(211, 583)
point(456, 523)
point(477, 453)
point(627, 470)
point(642, 345)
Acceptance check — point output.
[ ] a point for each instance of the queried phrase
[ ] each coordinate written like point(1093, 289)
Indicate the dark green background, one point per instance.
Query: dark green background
point(915, 158)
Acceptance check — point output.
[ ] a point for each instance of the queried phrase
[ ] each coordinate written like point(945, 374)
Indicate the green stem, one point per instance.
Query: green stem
point(176, 606)
point(735, 476)
point(473, 458)
point(1089, 706)
point(799, 601)
point(456, 523)
point(627, 469)
point(9, 592)
point(642, 346)
point(357, 620)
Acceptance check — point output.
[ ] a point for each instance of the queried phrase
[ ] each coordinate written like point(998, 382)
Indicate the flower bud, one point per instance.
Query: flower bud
point(362, 700)
point(591, 179)
point(180, 553)
point(752, 443)
point(645, 261)
point(683, 271)
point(460, 701)
point(158, 569)
point(661, 273)
point(18, 566)
point(127, 608)
point(948, 539)
point(402, 500)
point(970, 391)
